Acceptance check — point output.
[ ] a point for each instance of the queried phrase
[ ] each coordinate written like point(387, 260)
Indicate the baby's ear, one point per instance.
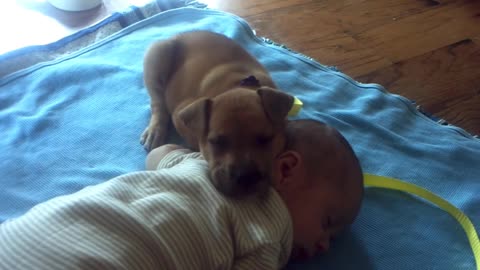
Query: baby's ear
point(288, 166)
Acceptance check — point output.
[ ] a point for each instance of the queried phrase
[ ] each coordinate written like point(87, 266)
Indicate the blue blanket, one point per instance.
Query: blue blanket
point(76, 121)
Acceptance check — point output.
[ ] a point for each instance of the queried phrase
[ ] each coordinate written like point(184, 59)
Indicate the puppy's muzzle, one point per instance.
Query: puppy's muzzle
point(240, 180)
point(245, 176)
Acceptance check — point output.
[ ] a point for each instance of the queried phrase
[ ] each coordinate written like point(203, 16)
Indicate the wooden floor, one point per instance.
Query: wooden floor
point(425, 50)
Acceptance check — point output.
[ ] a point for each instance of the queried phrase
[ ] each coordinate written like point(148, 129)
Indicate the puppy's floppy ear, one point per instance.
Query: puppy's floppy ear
point(195, 116)
point(276, 103)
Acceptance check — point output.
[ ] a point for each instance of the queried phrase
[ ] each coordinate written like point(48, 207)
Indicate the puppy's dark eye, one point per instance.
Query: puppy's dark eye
point(263, 140)
point(219, 142)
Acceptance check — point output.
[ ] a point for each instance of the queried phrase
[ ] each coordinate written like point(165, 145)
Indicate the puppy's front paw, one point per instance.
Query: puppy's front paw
point(152, 137)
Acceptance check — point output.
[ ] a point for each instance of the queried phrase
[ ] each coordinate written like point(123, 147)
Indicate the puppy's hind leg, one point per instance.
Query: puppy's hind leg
point(158, 62)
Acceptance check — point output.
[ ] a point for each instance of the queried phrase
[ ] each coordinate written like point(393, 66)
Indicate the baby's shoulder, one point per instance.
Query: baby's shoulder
point(179, 156)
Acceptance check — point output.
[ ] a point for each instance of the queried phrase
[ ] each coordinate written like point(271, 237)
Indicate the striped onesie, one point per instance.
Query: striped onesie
point(172, 218)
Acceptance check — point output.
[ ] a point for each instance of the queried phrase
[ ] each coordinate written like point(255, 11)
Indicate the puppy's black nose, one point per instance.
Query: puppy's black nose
point(245, 176)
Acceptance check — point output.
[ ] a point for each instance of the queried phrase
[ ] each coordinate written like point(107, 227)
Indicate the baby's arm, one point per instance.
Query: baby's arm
point(157, 154)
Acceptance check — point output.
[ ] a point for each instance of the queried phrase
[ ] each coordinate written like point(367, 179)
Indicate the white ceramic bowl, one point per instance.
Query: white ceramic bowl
point(75, 5)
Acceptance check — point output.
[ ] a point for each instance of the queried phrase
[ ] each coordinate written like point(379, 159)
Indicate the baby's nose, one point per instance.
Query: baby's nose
point(322, 245)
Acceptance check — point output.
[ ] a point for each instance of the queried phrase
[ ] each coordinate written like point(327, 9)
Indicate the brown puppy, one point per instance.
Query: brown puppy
point(222, 102)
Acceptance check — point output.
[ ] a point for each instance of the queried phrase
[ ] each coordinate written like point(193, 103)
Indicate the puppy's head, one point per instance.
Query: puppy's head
point(240, 132)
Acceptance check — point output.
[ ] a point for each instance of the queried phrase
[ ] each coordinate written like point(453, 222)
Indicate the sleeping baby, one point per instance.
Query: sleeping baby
point(172, 217)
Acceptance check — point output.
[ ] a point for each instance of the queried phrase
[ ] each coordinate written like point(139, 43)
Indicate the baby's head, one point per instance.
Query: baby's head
point(321, 182)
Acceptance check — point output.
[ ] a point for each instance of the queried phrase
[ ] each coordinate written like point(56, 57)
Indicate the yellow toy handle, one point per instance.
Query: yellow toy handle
point(391, 183)
point(296, 107)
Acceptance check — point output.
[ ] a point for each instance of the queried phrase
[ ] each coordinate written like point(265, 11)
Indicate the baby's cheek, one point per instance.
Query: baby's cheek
point(312, 231)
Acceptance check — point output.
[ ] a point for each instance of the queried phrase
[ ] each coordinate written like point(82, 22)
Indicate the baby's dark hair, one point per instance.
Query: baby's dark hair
point(324, 151)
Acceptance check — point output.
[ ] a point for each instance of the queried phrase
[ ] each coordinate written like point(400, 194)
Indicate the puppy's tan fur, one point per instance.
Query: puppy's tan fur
point(195, 80)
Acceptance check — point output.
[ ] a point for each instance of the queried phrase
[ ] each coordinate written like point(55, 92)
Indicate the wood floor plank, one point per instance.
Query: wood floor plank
point(340, 34)
point(252, 7)
point(321, 38)
point(418, 34)
point(446, 82)
point(347, 54)
point(362, 15)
